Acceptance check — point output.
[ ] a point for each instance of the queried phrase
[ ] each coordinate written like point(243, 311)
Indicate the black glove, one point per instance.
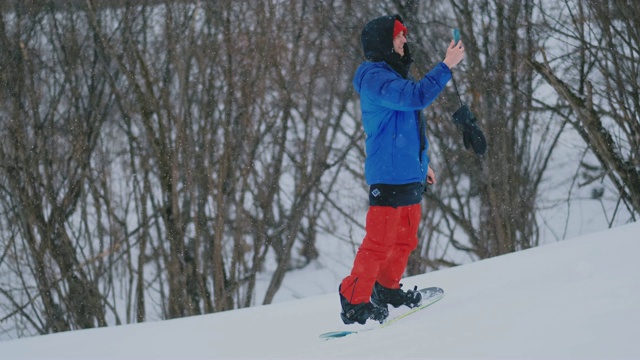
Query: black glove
point(472, 135)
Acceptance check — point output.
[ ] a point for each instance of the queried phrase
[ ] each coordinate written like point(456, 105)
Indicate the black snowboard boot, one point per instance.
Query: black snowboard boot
point(360, 313)
point(396, 297)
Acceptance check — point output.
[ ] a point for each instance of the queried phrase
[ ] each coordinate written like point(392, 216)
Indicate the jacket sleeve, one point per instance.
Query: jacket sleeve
point(386, 88)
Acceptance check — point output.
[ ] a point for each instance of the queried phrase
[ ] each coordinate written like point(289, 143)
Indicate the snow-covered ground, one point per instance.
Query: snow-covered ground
point(578, 298)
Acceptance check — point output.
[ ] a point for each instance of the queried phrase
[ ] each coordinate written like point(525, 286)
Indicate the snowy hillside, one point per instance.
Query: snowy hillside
point(578, 298)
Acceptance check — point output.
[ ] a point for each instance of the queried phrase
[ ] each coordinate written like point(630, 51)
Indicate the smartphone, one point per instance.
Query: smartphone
point(456, 36)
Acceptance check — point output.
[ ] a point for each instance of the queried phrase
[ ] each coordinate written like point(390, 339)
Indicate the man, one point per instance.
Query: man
point(396, 167)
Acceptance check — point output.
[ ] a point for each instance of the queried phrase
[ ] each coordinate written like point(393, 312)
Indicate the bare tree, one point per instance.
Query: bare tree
point(597, 81)
point(206, 158)
point(56, 184)
point(51, 127)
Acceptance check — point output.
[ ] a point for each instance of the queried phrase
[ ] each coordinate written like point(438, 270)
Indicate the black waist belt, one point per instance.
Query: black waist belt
point(395, 195)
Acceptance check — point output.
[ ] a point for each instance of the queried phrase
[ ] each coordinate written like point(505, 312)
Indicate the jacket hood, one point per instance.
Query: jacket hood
point(377, 44)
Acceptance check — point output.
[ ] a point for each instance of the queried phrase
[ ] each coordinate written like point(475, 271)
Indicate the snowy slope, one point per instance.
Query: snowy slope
point(578, 298)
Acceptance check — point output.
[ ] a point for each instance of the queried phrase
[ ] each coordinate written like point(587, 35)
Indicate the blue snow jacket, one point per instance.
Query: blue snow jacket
point(391, 108)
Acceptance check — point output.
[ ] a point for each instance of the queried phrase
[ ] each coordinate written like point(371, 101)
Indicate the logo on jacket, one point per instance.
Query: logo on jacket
point(375, 192)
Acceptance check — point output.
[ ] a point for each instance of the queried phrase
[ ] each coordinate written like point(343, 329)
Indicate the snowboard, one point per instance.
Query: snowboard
point(430, 296)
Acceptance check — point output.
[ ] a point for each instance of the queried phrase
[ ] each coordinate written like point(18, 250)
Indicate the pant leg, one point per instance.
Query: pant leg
point(393, 268)
point(381, 227)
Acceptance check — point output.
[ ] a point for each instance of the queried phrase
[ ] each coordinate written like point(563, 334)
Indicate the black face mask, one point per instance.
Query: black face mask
point(377, 43)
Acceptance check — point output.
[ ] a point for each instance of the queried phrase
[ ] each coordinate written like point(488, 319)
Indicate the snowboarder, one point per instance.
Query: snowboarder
point(396, 167)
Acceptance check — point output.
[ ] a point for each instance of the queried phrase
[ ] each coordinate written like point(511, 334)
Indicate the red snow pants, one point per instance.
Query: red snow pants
point(391, 235)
